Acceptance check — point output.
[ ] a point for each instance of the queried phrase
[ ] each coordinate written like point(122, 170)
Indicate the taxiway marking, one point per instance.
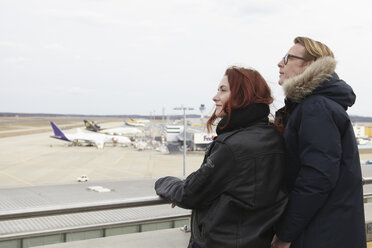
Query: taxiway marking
point(16, 178)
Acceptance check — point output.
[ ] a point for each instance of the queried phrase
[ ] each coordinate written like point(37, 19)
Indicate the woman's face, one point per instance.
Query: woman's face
point(223, 94)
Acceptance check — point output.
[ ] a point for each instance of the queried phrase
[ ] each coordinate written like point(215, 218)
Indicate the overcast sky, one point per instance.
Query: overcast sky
point(138, 57)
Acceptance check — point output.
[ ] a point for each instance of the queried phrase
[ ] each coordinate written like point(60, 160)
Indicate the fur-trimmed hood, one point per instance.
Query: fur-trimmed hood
point(319, 78)
point(298, 87)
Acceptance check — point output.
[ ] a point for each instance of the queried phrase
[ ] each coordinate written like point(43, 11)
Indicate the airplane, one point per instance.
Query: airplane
point(139, 120)
point(133, 123)
point(97, 139)
point(91, 126)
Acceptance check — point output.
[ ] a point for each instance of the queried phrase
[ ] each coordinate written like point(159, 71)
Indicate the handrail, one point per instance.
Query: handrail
point(89, 207)
point(367, 180)
point(80, 208)
point(365, 195)
point(37, 233)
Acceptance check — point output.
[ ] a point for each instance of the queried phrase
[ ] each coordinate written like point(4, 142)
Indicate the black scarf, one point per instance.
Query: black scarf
point(244, 117)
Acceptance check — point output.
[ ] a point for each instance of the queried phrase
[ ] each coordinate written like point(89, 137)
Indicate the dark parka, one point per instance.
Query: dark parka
point(325, 208)
point(238, 193)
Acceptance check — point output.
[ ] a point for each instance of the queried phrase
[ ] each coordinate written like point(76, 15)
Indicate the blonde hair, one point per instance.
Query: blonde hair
point(313, 49)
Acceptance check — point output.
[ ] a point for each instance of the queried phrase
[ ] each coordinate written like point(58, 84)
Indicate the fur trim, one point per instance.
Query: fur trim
point(298, 87)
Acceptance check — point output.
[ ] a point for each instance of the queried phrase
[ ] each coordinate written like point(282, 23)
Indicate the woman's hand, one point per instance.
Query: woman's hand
point(277, 243)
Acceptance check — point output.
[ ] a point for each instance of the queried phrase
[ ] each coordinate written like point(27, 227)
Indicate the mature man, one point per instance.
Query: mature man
point(325, 207)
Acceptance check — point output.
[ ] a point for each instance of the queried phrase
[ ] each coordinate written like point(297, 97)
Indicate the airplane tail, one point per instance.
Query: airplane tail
point(58, 134)
point(87, 124)
point(91, 126)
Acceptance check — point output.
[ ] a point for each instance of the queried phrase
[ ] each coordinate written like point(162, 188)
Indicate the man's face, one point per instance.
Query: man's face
point(294, 66)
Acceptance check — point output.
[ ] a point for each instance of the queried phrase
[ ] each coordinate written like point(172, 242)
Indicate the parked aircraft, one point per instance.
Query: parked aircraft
point(139, 120)
point(132, 131)
point(134, 123)
point(97, 139)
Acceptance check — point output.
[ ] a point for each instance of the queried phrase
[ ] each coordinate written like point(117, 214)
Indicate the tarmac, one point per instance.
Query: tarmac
point(37, 159)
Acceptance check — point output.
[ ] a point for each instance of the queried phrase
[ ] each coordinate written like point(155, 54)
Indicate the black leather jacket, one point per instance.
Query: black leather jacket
point(238, 193)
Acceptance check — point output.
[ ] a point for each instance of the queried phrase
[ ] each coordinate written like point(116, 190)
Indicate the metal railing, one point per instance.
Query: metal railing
point(100, 206)
point(367, 180)
point(89, 207)
point(81, 208)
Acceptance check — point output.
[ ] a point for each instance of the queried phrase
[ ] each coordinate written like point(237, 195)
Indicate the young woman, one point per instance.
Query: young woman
point(237, 194)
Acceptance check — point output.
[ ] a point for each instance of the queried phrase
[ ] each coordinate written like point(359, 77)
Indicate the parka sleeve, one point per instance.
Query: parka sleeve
point(319, 152)
point(202, 186)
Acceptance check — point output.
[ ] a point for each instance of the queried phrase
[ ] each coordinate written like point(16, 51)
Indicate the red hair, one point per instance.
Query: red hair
point(247, 86)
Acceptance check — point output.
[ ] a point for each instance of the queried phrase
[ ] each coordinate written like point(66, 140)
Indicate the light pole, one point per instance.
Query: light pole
point(184, 135)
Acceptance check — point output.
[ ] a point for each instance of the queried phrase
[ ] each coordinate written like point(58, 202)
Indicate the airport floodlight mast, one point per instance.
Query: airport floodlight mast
point(202, 108)
point(184, 135)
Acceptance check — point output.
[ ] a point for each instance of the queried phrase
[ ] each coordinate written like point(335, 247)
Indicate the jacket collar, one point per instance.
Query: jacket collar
point(244, 117)
point(298, 87)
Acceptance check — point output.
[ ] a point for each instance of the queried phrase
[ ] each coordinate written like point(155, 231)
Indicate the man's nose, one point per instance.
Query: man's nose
point(281, 63)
